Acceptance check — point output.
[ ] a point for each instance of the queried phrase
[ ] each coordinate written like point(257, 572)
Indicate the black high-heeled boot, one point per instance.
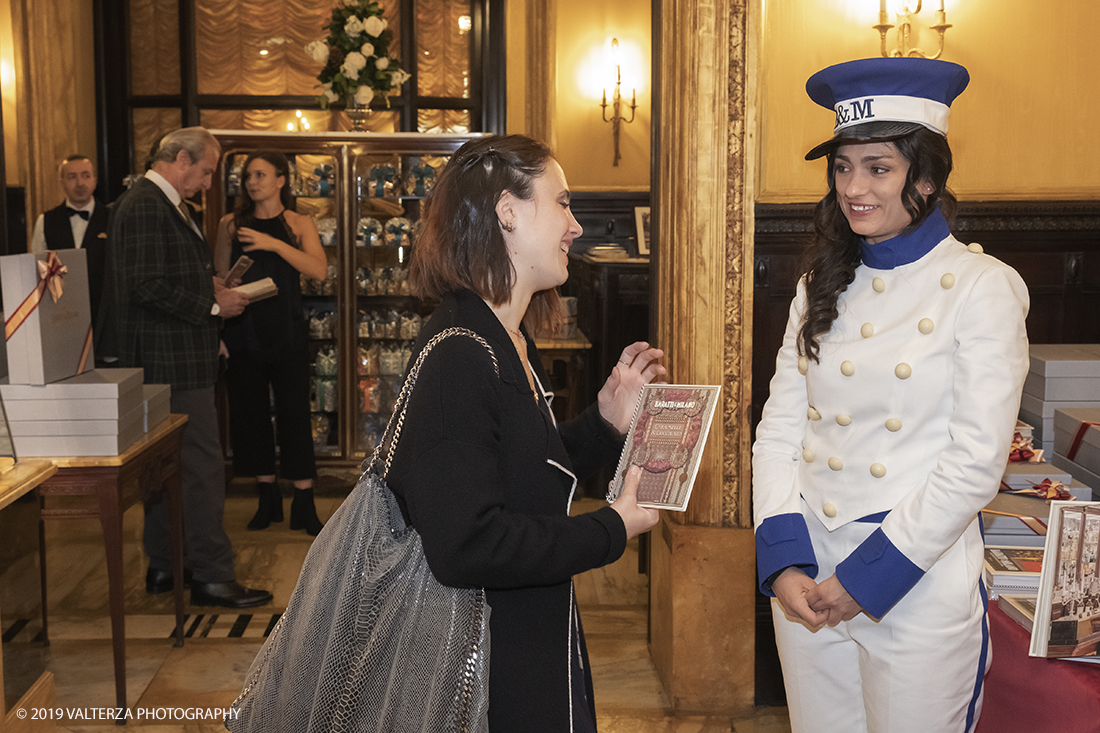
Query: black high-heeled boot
point(303, 514)
point(271, 506)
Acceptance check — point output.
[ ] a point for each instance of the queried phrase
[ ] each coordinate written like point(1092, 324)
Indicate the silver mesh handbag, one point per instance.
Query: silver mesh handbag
point(370, 640)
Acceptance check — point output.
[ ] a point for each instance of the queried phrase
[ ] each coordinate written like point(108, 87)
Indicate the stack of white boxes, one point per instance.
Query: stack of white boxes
point(98, 413)
point(1062, 389)
point(1061, 376)
point(57, 404)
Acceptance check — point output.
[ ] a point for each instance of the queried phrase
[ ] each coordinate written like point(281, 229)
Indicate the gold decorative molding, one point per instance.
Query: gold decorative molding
point(702, 308)
point(541, 71)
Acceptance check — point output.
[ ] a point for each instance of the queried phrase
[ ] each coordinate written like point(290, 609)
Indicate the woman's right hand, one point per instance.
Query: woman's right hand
point(636, 518)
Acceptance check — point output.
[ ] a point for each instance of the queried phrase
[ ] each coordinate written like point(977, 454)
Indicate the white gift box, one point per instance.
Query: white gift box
point(101, 394)
point(1026, 475)
point(1079, 473)
point(1063, 389)
point(111, 444)
point(157, 401)
point(1063, 372)
point(1067, 423)
point(47, 340)
point(1065, 360)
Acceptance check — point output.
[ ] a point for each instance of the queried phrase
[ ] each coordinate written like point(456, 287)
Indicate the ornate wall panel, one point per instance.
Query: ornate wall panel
point(154, 47)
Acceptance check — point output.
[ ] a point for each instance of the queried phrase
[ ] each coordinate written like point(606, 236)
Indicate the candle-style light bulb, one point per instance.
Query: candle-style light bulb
point(290, 127)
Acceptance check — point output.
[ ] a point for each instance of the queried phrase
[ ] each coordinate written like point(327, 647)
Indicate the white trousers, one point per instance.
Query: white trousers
point(918, 669)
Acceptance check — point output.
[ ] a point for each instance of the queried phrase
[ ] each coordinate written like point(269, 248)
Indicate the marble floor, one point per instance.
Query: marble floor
point(208, 670)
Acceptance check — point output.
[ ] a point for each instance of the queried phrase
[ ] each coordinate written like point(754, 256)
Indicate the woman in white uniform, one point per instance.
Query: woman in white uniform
point(889, 422)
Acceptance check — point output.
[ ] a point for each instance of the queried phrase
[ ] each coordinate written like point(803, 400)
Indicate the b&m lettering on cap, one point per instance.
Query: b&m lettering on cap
point(853, 111)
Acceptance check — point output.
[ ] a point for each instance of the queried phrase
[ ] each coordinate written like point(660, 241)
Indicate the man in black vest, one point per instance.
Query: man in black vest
point(80, 222)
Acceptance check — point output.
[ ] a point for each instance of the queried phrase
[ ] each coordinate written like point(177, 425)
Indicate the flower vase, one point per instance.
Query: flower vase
point(357, 113)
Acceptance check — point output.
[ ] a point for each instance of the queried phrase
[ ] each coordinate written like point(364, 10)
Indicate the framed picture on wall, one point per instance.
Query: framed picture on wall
point(641, 229)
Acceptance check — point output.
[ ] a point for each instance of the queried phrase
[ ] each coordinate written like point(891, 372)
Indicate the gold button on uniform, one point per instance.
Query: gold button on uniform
point(803, 365)
point(893, 425)
point(847, 368)
point(813, 414)
point(879, 285)
point(878, 470)
point(947, 281)
point(829, 510)
point(835, 463)
point(903, 371)
point(808, 455)
point(843, 420)
point(975, 248)
point(866, 330)
point(926, 326)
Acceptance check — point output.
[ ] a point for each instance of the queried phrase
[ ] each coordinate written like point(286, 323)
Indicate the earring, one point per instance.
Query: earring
point(507, 226)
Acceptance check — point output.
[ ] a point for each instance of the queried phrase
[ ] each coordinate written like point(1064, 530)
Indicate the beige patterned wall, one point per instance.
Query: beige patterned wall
point(56, 90)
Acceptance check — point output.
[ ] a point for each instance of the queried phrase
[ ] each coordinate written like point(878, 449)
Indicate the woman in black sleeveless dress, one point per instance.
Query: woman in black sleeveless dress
point(267, 343)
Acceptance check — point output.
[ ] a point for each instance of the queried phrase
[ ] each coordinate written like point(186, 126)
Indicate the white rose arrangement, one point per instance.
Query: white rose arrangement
point(356, 66)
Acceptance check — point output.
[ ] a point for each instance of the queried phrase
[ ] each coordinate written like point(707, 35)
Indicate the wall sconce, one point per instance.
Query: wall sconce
point(905, 10)
point(301, 124)
point(616, 102)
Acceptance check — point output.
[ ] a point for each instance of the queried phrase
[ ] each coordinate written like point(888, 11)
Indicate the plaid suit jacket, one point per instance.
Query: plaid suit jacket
point(159, 277)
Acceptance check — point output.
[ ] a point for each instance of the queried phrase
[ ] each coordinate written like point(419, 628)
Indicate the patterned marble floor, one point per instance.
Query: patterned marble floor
point(208, 670)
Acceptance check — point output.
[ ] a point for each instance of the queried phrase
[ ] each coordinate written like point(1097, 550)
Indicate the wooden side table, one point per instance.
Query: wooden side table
point(16, 482)
point(149, 466)
point(571, 353)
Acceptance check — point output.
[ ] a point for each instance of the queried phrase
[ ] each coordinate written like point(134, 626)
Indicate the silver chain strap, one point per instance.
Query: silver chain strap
point(392, 432)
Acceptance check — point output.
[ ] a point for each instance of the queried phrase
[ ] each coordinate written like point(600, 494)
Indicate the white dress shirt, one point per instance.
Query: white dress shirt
point(78, 223)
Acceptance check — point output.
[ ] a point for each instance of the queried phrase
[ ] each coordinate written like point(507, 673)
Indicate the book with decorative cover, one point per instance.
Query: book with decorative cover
point(666, 439)
point(1067, 611)
point(1012, 569)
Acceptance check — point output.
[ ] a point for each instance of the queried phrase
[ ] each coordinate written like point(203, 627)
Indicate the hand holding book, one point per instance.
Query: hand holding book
point(636, 518)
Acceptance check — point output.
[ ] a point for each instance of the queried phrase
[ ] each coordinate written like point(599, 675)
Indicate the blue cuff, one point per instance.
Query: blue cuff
point(783, 541)
point(877, 575)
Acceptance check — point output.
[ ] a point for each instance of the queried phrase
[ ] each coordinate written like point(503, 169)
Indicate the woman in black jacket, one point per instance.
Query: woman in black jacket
point(483, 471)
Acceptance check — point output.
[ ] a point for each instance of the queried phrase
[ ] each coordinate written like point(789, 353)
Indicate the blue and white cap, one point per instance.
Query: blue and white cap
point(885, 98)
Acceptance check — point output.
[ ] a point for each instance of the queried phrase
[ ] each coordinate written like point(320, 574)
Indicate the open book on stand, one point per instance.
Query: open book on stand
point(666, 439)
point(1067, 610)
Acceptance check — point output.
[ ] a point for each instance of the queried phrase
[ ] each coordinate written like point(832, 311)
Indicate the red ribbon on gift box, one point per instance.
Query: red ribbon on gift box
point(1046, 489)
point(1080, 436)
point(51, 276)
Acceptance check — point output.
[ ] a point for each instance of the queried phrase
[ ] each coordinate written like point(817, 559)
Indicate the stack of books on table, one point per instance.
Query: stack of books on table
point(1061, 376)
point(1012, 570)
point(56, 403)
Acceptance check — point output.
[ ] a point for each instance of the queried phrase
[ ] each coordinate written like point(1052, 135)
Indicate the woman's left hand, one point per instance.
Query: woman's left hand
point(832, 599)
point(252, 240)
point(619, 395)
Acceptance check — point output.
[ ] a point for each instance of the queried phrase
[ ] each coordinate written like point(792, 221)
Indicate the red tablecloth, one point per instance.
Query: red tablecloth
point(1029, 695)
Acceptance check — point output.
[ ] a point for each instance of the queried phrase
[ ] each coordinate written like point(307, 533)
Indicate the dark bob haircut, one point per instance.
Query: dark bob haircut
point(461, 245)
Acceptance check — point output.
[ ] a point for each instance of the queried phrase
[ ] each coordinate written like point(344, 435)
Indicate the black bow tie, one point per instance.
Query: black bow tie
point(77, 212)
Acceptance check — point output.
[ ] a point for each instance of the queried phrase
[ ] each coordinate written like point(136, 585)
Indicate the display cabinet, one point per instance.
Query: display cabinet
point(365, 191)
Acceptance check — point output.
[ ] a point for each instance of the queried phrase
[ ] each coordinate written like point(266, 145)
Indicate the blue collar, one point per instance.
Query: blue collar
point(906, 248)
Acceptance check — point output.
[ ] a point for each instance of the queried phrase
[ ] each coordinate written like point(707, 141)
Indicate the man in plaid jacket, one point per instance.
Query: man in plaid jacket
point(167, 309)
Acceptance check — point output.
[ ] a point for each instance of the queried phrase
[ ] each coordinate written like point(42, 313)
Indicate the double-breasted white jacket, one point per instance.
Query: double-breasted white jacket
point(907, 419)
